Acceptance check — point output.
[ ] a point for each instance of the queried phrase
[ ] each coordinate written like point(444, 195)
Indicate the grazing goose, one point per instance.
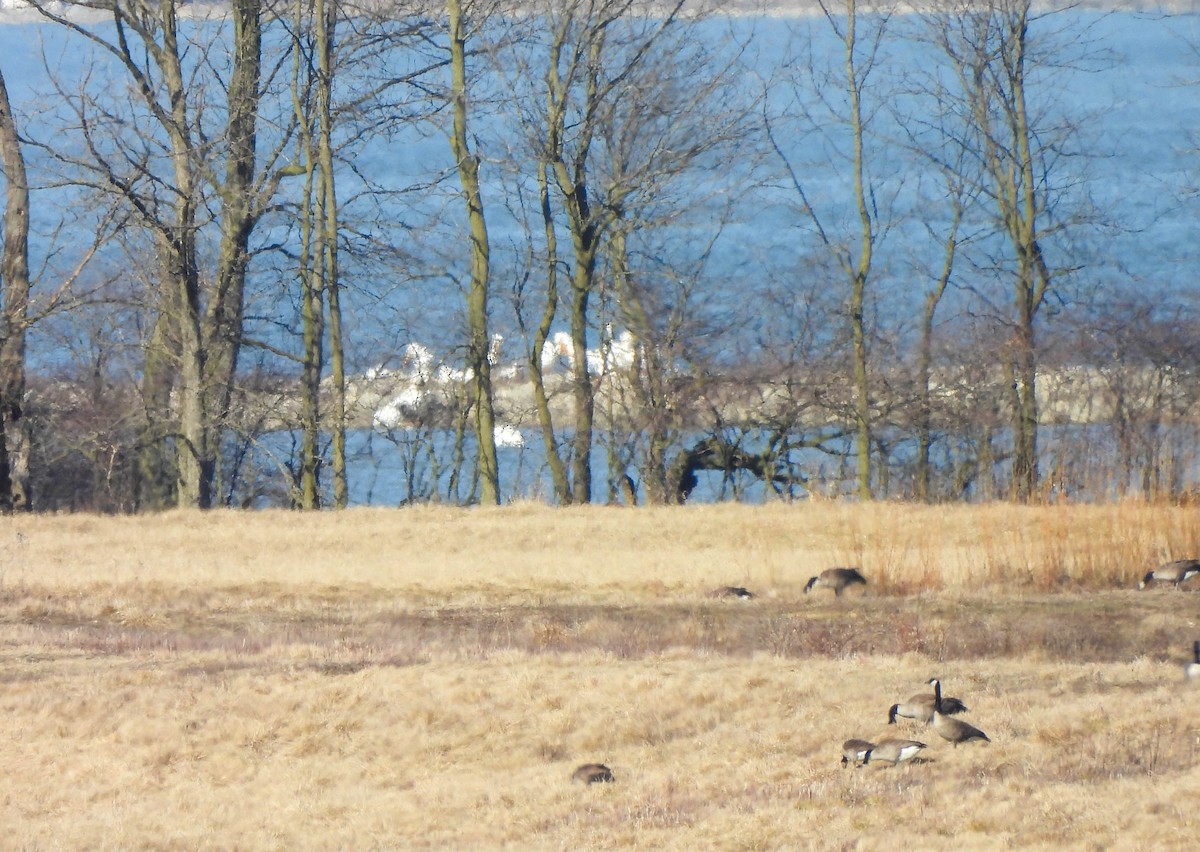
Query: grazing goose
point(836, 579)
point(921, 706)
point(893, 751)
point(732, 592)
point(855, 751)
point(591, 773)
point(1192, 669)
point(1172, 572)
point(952, 730)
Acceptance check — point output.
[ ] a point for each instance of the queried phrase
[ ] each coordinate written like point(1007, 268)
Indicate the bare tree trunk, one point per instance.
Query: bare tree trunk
point(326, 14)
point(312, 315)
point(1033, 277)
point(572, 181)
point(177, 241)
point(477, 298)
point(311, 306)
point(1025, 410)
point(156, 465)
point(193, 454)
point(646, 378)
point(581, 379)
point(925, 351)
point(860, 271)
point(558, 470)
point(318, 260)
point(222, 330)
point(312, 311)
point(14, 277)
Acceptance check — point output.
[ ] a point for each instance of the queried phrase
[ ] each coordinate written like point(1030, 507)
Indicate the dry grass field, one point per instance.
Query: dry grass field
point(429, 679)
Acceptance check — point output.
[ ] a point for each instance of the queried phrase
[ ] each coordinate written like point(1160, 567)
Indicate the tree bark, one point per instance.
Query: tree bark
point(326, 14)
point(558, 470)
point(859, 271)
point(477, 297)
point(14, 277)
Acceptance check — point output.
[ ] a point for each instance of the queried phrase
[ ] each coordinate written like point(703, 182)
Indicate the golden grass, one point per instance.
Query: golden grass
point(529, 548)
point(429, 678)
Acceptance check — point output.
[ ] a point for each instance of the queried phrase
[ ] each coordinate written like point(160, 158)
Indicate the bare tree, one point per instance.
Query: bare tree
point(313, 72)
point(477, 296)
point(631, 103)
point(594, 56)
point(308, 21)
point(932, 131)
point(1133, 366)
point(577, 83)
point(14, 316)
point(992, 51)
point(166, 167)
point(862, 39)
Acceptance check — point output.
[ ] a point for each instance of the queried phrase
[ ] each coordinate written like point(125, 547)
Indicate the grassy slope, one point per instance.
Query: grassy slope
point(429, 678)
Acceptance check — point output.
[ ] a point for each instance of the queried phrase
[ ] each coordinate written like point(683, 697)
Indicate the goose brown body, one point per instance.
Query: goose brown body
point(592, 773)
point(920, 708)
point(952, 730)
point(837, 579)
point(732, 592)
point(855, 751)
point(893, 750)
point(1172, 572)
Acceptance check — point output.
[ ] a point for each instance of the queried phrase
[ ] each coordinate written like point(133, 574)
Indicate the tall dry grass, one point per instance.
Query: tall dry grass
point(429, 678)
point(593, 552)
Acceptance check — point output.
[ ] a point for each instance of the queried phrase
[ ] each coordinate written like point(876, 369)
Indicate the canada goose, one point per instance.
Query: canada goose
point(921, 706)
point(952, 730)
point(893, 751)
point(1192, 670)
point(1172, 572)
point(855, 751)
point(732, 592)
point(591, 773)
point(836, 579)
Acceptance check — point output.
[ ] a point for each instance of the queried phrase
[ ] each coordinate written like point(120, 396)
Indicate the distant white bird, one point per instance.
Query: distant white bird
point(508, 436)
point(417, 361)
point(558, 352)
point(506, 372)
point(447, 375)
point(621, 351)
point(398, 409)
point(597, 364)
point(614, 353)
point(387, 417)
